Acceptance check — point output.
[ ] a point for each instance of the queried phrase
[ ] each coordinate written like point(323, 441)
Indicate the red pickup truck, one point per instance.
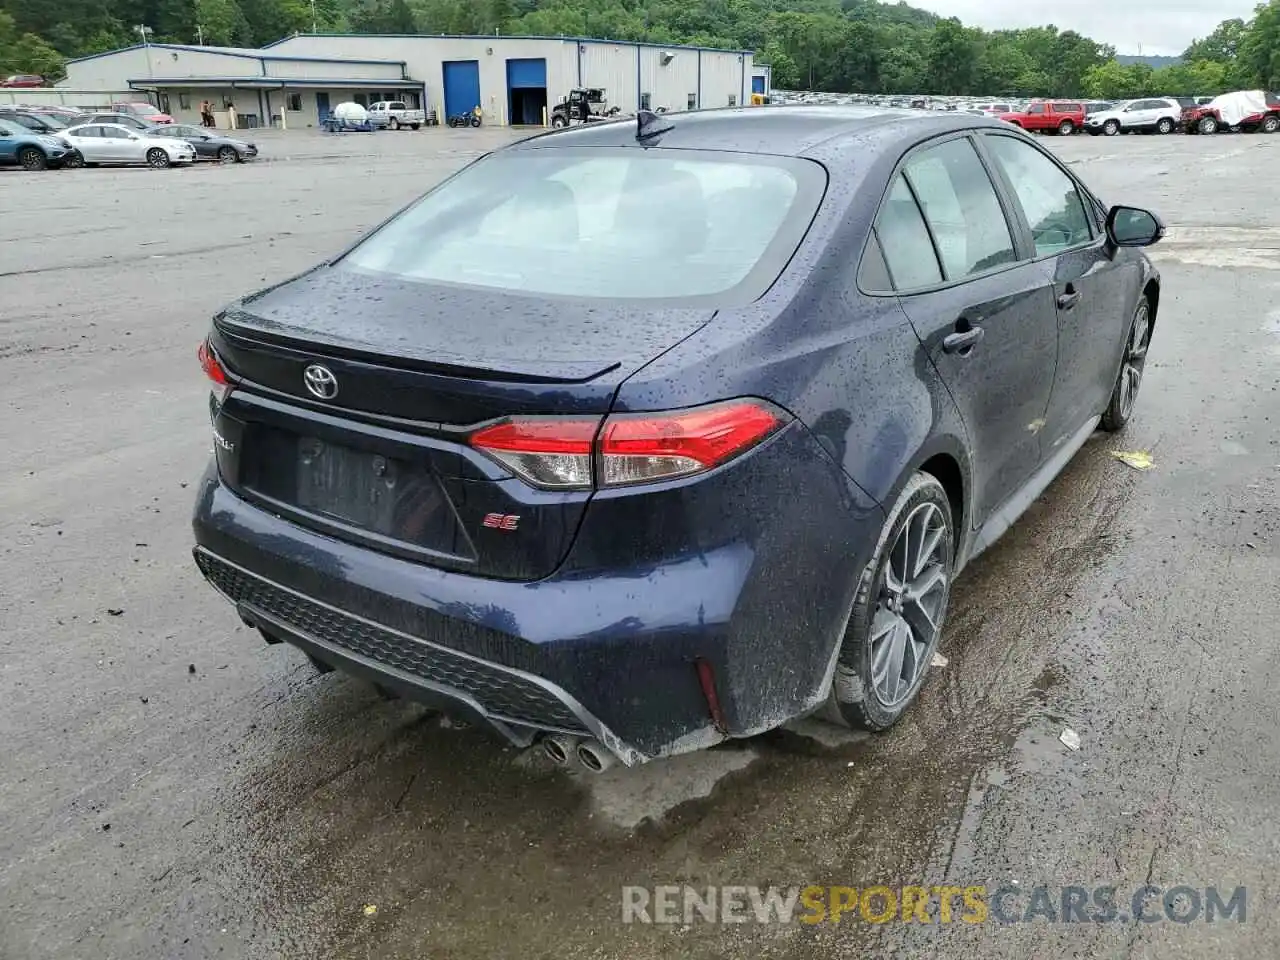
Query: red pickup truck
point(1063, 117)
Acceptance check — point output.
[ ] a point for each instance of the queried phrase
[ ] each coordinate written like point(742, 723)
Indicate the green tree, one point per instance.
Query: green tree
point(1259, 53)
point(952, 58)
point(222, 22)
point(1221, 46)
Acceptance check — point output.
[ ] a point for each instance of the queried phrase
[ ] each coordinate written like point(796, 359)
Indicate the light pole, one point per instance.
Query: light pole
point(314, 27)
point(144, 31)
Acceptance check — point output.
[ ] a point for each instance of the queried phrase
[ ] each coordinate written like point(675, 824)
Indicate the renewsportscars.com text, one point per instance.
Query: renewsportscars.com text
point(1012, 903)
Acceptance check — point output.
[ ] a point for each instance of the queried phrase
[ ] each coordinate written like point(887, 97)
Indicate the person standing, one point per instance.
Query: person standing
point(206, 113)
point(231, 116)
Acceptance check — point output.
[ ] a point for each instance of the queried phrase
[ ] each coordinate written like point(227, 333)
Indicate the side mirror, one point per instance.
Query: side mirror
point(1133, 227)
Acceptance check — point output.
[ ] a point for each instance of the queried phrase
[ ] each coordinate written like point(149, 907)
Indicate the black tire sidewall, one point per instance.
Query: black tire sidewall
point(853, 691)
point(157, 166)
point(1164, 126)
point(1113, 418)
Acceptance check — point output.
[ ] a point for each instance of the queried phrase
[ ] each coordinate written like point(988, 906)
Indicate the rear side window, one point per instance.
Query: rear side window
point(617, 223)
point(1048, 197)
point(962, 209)
point(908, 251)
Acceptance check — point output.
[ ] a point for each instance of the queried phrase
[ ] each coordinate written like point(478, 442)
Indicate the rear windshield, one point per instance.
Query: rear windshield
point(609, 223)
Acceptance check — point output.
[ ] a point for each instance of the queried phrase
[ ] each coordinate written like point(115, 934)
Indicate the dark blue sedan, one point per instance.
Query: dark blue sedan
point(637, 436)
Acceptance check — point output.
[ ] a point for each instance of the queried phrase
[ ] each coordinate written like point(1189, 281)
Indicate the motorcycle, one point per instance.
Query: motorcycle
point(464, 120)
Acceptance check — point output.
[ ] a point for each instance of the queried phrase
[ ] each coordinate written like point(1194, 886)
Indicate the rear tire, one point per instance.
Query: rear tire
point(157, 159)
point(395, 124)
point(1164, 127)
point(32, 159)
point(1132, 364)
point(898, 610)
point(1270, 123)
point(1066, 128)
point(414, 126)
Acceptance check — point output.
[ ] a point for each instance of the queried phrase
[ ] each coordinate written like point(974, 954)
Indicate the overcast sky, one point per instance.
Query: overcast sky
point(1159, 26)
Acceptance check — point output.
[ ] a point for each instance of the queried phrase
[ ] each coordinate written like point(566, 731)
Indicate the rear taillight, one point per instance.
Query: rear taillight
point(213, 369)
point(574, 454)
point(548, 452)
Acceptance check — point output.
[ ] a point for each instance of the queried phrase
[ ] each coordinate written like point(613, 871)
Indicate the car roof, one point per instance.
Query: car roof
point(779, 130)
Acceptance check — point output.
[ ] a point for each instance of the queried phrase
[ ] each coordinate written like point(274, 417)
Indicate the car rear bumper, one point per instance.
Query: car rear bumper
point(620, 654)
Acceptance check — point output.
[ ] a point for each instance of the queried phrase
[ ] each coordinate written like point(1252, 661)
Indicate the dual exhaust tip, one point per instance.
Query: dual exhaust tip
point(562, 750)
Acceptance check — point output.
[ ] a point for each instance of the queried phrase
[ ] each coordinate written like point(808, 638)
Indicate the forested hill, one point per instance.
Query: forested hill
point(838, 45)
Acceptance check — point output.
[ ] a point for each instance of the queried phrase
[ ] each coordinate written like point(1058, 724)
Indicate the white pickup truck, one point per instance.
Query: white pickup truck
point(395, 114)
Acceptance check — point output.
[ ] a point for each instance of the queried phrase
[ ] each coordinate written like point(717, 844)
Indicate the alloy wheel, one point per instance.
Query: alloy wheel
point(227, 155)
point(32, 159)
point(1111, 128)
point(912, 600)
point(1165, 126)
point(1135, 360)
point(158, 159)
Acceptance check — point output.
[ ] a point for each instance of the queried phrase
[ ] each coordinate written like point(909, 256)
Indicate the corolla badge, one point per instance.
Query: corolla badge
point(320, 381)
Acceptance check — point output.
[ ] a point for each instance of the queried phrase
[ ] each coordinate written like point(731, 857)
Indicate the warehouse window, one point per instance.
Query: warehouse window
point(733, 99)
point(646, 101)
point(295, 102)
point(693, 101)
point(184, 101)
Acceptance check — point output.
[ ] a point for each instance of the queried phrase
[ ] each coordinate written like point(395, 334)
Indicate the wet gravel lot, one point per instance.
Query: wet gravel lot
point(171, 787)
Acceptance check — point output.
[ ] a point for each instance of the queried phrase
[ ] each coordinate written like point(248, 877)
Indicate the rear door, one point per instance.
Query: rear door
point(8, 142)
point(91, 144)
point(981, 309)
point(1091, 291)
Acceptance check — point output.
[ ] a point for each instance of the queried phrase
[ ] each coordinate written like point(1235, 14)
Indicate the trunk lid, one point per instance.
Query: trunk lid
point(384, 462)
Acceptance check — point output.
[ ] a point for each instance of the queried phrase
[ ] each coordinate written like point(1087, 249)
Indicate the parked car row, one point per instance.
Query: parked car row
point(42, 146)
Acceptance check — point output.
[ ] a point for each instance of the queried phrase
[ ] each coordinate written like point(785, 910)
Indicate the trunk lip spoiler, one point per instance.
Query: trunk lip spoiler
point(250, 331)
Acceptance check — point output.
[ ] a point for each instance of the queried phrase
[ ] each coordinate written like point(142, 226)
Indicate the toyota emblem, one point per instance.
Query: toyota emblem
point(320, 381)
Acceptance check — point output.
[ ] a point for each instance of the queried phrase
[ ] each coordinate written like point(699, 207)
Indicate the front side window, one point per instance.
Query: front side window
point(1036, 108)
point(962, 209)
point(908, 251)
point(1048, 197)
point(636, 224)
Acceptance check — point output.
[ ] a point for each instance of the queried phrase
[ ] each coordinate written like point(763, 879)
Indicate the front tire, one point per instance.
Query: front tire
point(157, 159)
point(898, 611)
point(1207, 125)
point(1111, 128)
point(73, 160)
point(228, 155)
point(1125, 393)
point(32, 159)
point(559, 122)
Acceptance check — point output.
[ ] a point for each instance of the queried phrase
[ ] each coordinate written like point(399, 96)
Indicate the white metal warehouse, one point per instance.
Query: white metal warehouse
point(295, 82)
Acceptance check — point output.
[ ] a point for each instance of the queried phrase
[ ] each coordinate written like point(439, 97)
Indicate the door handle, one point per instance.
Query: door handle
point(1068, 300)
point(963, 341)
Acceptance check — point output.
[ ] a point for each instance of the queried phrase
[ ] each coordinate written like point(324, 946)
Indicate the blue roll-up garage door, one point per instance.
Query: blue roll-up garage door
point(526, 91)
point(757, 84)
point(526, 73)
point(461, 86)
